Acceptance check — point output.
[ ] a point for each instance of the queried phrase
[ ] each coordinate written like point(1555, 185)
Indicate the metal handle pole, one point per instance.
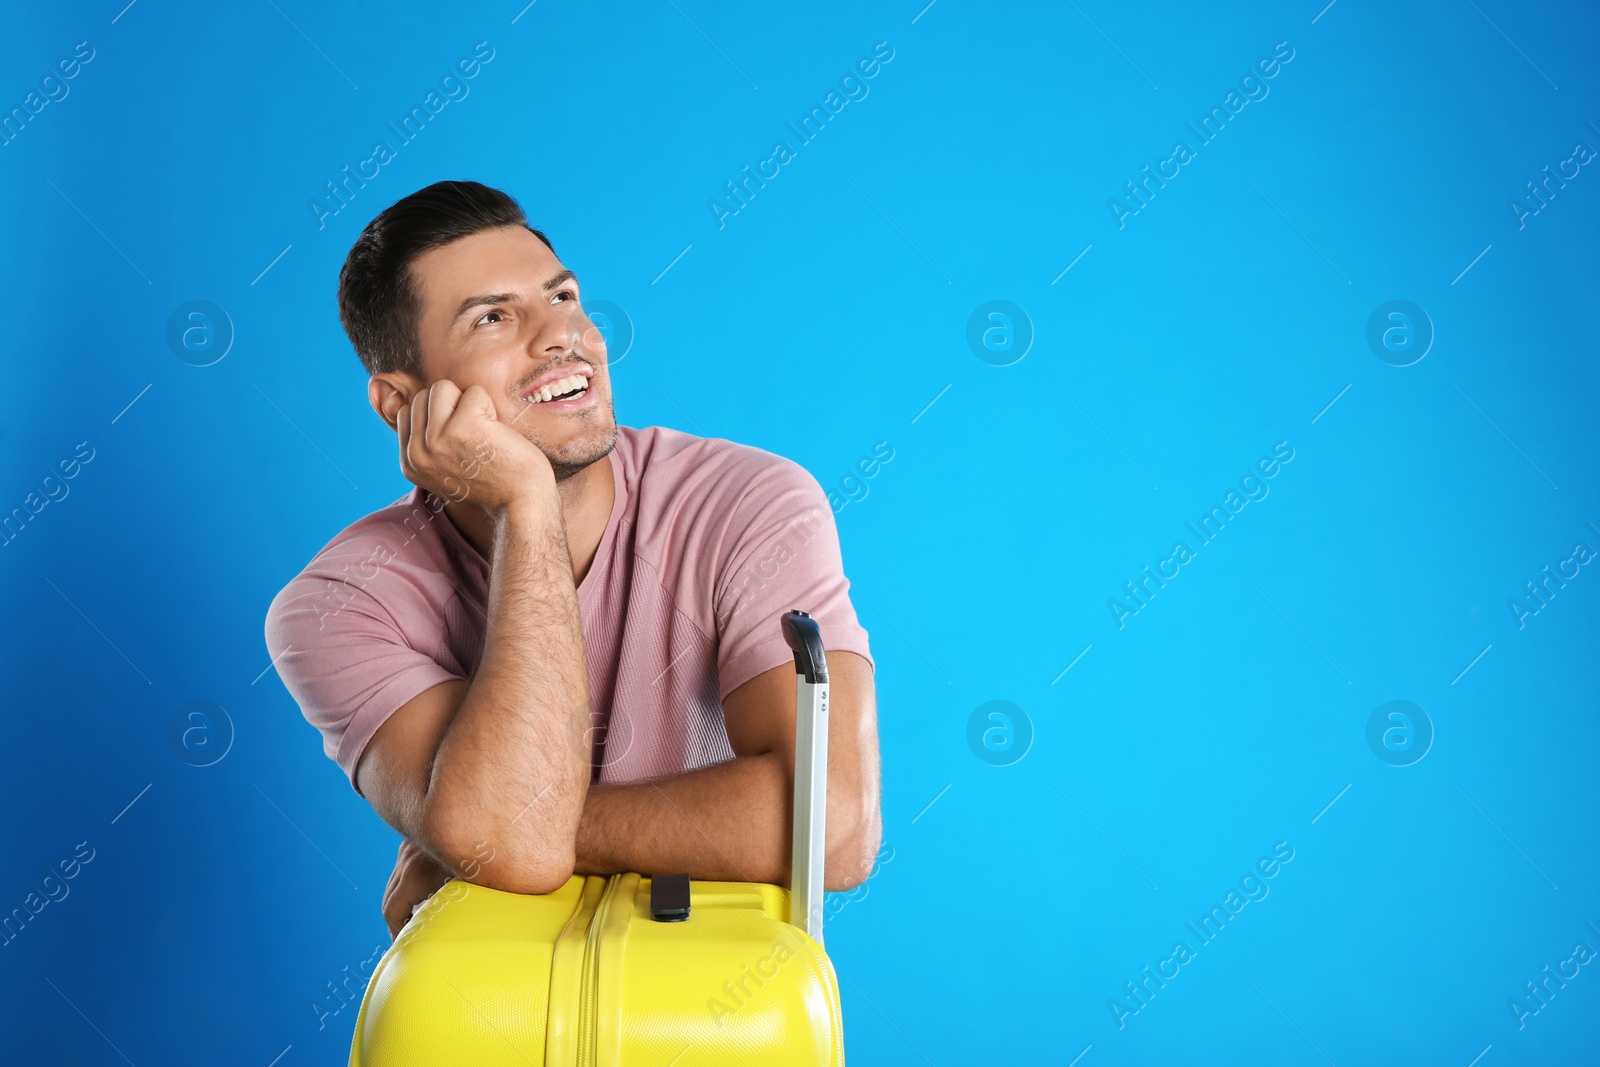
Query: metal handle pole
point(801, 632)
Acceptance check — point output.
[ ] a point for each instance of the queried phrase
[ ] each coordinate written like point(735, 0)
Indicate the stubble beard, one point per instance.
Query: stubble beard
point(579, 453)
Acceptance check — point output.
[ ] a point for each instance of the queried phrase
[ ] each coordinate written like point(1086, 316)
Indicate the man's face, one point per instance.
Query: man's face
point(499, 310)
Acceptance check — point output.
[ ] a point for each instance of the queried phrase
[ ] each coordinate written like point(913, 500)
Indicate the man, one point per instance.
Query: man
point(560, 652)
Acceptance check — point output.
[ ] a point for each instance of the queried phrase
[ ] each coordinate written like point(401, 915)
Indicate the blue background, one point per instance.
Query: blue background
point(829, 314)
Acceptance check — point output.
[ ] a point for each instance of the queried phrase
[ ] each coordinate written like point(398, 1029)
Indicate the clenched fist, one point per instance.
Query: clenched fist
point(453, 444)
point(415, 878)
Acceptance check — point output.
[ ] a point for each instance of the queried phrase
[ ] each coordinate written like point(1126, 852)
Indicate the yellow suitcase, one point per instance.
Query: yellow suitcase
point(613, 971)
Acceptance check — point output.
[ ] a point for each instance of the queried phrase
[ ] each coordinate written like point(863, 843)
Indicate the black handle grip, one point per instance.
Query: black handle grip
point(805, 638)
point(669, 898)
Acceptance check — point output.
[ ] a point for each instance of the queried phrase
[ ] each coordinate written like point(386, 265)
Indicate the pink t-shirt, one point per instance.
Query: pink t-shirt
point(709, 542)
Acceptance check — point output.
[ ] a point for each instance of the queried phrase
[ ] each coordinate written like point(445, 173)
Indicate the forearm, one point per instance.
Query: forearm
point(725, 822)
point(731, 821)
point(523, 719)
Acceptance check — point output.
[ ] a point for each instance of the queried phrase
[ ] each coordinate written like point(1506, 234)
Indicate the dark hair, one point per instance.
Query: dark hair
point(377, 297)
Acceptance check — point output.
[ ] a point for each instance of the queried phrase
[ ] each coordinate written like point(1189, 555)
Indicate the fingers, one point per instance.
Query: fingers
point(450, 437)
point(434, 411)
point(421, 425)
point(412, 424)
point(441, 400)
point(412, 453)
point(476, 400)
point(398, 905)
point(419, 422)
point(390, 906)
point(415, 878)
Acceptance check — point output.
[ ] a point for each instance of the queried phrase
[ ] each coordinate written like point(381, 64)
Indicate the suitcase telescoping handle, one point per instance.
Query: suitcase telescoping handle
point(669, 893)
point(810, 771)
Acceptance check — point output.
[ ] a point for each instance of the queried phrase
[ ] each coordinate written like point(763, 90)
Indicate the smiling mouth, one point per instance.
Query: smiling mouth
point(571, 387)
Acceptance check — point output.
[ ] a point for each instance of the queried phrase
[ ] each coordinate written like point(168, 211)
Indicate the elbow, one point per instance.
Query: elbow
point(537, 875)
point(855, 831)
point(474, 856)
point(533, 872)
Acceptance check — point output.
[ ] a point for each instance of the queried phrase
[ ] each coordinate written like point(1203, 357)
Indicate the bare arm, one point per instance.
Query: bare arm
point(727, 822)
point(733, 821)
point(522, 720)
point(439, 769)
point(490, 778)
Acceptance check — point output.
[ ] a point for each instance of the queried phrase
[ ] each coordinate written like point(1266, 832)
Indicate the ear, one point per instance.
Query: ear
point(389, 392)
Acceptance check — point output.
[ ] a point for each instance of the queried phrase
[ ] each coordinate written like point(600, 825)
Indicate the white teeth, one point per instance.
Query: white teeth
point(556, 388)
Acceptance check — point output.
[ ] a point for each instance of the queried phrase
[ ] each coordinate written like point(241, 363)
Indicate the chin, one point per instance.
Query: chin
point(583, 449)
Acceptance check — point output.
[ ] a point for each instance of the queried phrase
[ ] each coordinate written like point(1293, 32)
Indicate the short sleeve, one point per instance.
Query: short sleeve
point(345, 660)
point(781, 552)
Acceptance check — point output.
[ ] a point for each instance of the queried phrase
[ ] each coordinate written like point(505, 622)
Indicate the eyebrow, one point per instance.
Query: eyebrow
point(486, 299)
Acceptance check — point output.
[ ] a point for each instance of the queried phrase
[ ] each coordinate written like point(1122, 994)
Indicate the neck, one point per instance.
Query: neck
point(586, 502)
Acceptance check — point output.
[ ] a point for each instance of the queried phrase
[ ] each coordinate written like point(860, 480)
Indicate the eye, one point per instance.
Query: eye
point(567, 293)
point(497, 313)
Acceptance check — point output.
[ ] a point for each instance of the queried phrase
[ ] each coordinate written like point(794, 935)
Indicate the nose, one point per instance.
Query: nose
point(559, 330)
